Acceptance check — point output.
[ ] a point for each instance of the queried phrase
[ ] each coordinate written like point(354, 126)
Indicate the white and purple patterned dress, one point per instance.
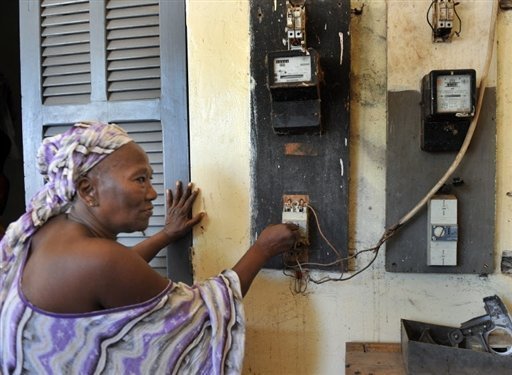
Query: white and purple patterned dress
point(183, 330)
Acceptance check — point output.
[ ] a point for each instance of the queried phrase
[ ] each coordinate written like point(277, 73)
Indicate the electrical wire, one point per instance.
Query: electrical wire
point(428, 11)
point(458, 17)
point(391, 231)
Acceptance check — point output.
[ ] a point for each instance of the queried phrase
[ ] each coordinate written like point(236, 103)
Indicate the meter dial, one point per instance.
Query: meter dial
point(453, 93)
point(438, 231)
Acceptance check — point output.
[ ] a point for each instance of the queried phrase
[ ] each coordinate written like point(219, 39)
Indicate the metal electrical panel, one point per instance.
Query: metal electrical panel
point(412, 172)
point(309, 158)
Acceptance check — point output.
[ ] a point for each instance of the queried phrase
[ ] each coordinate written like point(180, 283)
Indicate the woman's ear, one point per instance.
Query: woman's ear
point(86, 190)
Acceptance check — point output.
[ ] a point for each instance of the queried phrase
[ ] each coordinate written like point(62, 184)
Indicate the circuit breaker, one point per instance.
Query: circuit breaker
point(442, 231)
point(442, 19)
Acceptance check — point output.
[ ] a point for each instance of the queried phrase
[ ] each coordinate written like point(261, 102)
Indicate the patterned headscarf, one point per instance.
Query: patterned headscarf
point(61, 159)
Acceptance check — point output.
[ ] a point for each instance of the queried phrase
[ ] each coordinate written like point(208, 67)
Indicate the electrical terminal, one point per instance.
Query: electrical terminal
point(295, 211)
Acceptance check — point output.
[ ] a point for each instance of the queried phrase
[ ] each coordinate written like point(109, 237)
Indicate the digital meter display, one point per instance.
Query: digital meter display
point(454, 94)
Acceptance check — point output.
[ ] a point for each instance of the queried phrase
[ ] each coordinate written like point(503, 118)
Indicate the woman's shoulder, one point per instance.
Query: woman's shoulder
point(102, 272)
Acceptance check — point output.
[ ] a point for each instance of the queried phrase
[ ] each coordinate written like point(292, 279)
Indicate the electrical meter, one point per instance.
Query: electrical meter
point(294, 85)
point(448, 106)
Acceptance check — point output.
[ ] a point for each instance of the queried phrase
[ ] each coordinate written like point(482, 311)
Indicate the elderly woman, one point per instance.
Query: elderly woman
point(73, 300)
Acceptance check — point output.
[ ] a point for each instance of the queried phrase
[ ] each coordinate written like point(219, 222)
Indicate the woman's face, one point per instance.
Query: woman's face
point(123, 190)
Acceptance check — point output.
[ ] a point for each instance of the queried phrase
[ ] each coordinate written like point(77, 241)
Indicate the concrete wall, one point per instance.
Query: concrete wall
point(391, 50)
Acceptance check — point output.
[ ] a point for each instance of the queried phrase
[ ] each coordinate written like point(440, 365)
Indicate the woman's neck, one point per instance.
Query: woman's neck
point(83, 216)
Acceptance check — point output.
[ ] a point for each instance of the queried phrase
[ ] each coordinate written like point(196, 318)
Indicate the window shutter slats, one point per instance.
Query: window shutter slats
point(130, 33)
point(136, 64)
point(65, 60)
point(133, 50)
point(78, 38)
point(135, 95)
point(130, 10)
point(133, 53)
point(132, 22)
point(64, 70)
point(73, 7)
point(65, 50)
point(68, 80)
point(49, 3)
point(75, 98)
point(143, 127)
point(134, 85)
point(125, 3)
point(133, 43)
point(67, 90)
point(65, 19)
point(66, 29)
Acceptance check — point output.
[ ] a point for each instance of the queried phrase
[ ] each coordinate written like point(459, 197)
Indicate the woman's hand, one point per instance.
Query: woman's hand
point(178, 218)
point(278, 238)
point(273, 240)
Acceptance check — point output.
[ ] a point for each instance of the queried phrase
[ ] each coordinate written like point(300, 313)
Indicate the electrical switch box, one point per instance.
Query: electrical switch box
point(442, 231)
point(295, 211)
point(448, 106)
point(442, 20)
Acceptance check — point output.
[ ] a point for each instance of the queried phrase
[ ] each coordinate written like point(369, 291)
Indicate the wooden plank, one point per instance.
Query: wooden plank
point(373, 359)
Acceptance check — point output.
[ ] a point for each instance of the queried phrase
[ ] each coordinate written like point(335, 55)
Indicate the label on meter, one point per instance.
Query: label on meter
point(292, 69)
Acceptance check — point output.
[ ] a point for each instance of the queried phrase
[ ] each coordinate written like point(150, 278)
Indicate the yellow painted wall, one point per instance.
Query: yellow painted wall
point(391, 50)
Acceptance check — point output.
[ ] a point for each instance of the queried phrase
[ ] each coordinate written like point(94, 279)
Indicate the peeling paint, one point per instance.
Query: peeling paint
point(341, 47)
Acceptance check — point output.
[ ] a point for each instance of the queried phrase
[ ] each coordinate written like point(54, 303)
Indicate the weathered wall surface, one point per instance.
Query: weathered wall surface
point(391, 51)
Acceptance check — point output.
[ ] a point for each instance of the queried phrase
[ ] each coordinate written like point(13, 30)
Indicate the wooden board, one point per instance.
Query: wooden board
point(373, 359)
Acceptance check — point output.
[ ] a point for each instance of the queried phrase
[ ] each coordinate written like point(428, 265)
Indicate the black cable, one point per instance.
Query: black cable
point(428, 11)
point(458, 17)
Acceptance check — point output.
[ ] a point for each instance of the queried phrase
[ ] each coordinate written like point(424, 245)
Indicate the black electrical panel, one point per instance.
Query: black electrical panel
point(300, 125)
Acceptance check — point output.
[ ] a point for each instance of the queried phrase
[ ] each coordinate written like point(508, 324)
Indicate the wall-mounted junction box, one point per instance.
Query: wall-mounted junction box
point(295, 210)
point(442, 231)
